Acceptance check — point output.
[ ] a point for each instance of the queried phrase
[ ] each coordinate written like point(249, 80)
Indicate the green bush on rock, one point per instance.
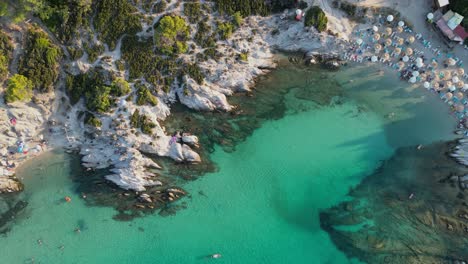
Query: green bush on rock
point(120, 87)
point(19, 88)
point(316, 17)
point(40, 61)
point(225, 30)
point(171, 34)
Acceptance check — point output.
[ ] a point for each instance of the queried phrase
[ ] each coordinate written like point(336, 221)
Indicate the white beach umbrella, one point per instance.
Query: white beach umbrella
point(401, 24)
point(298, 12)
point(405, 58)
point(419, 60)
point(409, 51)
point(430, 16)
point(420, 65)
point(389, 18)
point(465, 87)
point(415, 73)
point(427, 85)
point(455, 79)
point(359, 41)
point(412, 79)
point(374, 58)
point(375, 28)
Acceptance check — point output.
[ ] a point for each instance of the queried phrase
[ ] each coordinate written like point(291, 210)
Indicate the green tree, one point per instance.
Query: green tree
point(3, 67)
point(99, 99)
point(135, 119)
point(317, 18)
point(19, 88)
point(120, 87)
point(171, 35)
point(237, 18)
point(3, 9)
point(225, 30)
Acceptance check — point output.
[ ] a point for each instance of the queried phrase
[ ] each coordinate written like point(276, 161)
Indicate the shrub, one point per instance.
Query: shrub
point(245, 7)
point(19, 88)
point(93, 52)
point(144, 96)
point(142, 122)
point(171, 34)
point(192, 11)
point(317, 18)
point(40, 61)
point(160, 6)
point(244, 56)
point(115, 18)
point(120, 87)
point(237, 18)
point(225, 30)
point(194, 72)
point(98, 99)
point(92, 120)
point(3, 67)
point(3, 9)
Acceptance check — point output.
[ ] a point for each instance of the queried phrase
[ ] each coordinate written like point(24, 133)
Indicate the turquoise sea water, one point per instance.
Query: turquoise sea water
point(263, 204)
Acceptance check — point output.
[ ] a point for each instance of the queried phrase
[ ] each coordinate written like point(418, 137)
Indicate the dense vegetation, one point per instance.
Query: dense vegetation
point(64, 18)
point(114, 18)
point(92, 120)
point(461, 7)
point(171, 34)
point(144, 96)
point(225, 30)
point(316, 17)
point(40, 61)
point(120, 87)
point(193, 11)
point(194, 72)
point(6, 50)
point(143, 62)
point(91, 85)
point(19, 88)
point(253, 7)
point(142, 122)
point(204, 36)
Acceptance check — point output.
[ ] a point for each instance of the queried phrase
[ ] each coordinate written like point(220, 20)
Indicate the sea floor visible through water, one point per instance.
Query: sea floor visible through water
point(321, 136)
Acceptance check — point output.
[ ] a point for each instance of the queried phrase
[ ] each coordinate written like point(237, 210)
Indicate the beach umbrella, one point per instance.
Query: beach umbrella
point(298, 12)
point(377, 47)
point(448, 84)
point(405, 58)
point(450, 61)
point(412, 79)
point(447, 75)
point(427, 85)
point(418, 60)
point(410, 39)
point(374, 58)
point(434, 64)
point(399, 29)
point(397, 51)
point(375, 28)
point(459, 95)
point(460, 108)
point(401, 65)
point(401, 24)
point(436, 85)
point(400, 41)
point(386, 56)
point(449, 95)
point(359, 41)
point(388, 42)
point(423, 76)
point(430, 16)
point(409, 51)
point(388, 30)
point(455, 79)
point(376, 36)
point(389, 18)
point(415, 73)
point(460, 84)
point(465, 87)
point(420, 65)
point(460, 71)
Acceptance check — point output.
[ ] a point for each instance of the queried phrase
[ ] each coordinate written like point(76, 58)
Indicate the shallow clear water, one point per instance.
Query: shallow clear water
point(263, 204)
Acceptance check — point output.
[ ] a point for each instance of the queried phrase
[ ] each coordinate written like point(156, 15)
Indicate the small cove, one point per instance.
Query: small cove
point(262, 205)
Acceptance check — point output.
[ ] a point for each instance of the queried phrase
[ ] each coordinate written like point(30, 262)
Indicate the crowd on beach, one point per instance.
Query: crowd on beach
point(395, 45)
